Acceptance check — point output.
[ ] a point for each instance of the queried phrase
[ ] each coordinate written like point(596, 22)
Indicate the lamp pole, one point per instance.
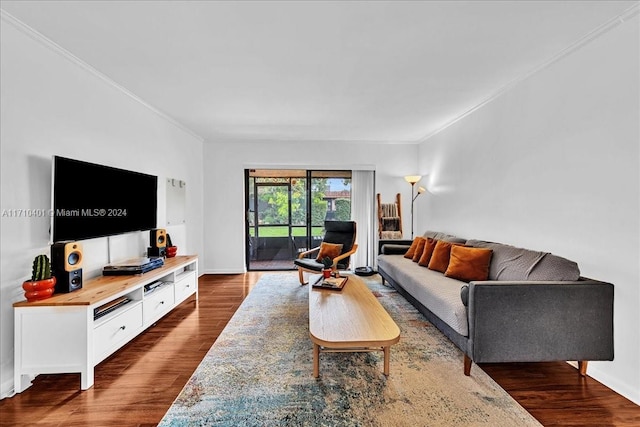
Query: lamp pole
point(413, 184)
point(413, 179)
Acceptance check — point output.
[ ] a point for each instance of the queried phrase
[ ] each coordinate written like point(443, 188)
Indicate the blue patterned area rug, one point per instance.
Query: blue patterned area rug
point(259, 373)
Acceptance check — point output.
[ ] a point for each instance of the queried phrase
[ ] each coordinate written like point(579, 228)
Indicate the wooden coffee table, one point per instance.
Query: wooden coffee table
point(349, 320)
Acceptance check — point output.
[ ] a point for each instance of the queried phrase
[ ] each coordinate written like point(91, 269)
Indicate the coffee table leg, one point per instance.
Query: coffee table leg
point(387, 354)
point(316, 360)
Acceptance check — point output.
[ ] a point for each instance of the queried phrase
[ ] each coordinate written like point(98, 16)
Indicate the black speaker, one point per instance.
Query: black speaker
point(156, 252)
point(66, 265)
point(158, 238)
point(68, 281)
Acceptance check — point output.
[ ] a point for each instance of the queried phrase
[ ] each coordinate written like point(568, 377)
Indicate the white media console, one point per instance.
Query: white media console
point(73, 332)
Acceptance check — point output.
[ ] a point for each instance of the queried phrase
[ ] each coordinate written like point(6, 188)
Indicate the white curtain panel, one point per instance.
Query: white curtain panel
point(363, 213)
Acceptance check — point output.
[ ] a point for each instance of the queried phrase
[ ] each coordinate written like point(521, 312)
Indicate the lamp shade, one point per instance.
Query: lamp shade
point(412, 179)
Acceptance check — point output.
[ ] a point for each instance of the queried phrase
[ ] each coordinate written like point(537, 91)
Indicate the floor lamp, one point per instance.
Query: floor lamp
point(413, 180)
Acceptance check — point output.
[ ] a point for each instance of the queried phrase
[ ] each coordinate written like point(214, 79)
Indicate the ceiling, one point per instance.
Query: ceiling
point(351, 71)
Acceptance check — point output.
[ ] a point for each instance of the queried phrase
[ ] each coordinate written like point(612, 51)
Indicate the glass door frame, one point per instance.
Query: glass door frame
point(251, 198)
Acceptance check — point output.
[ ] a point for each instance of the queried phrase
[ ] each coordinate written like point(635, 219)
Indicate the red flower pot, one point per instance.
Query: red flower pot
point(172, 251)
point(36, 290)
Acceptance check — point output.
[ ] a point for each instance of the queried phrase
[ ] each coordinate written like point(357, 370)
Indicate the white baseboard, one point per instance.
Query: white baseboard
point(7, 389)
point(223, 272)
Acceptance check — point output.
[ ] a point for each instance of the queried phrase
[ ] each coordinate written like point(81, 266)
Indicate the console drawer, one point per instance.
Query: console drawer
point(115, 332)
point(158, 303)
point(185, 286)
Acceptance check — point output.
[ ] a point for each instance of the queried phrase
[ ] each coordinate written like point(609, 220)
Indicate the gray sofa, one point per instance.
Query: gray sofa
point(534, 307)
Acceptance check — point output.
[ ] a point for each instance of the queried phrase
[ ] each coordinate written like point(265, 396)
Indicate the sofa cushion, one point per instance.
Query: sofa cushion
point(440, 257)
point(440, 294)
point(469, 263)
point(419, 249)
point(444, 237)
point(413, 247)
point(513, 263)
point(429, 246)
point(430, 234)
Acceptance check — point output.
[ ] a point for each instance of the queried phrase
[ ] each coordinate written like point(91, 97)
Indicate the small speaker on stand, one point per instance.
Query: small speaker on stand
point(157, 243)
point(66, 263)
point(158, 238)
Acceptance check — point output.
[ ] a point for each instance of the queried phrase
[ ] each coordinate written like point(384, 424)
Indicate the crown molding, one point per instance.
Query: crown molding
point(50, 44)
point(631, 12)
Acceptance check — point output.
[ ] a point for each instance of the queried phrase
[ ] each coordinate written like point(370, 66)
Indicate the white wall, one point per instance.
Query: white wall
point(51, 105)
point(553, 165)
point(224, 184)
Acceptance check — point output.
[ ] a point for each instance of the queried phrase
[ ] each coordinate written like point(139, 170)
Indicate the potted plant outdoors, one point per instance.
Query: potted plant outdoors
point(42, 283)
point(328, 267)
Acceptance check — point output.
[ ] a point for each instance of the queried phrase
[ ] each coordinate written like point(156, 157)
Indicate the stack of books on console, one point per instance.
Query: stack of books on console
point(153, 286)
point(109, 307)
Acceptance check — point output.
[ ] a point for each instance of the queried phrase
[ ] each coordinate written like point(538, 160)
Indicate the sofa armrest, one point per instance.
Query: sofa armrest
point(394, 249)
point(393, 243)
point(540, 321)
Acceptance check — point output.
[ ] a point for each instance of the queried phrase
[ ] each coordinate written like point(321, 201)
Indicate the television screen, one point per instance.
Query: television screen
point(92, 200)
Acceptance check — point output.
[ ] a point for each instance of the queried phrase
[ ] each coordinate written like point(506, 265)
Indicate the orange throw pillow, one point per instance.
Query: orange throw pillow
point(412, 249)
point(418, 253)
point(332, 250)
point(440, 258)
point(429, 246)
point(469, 263)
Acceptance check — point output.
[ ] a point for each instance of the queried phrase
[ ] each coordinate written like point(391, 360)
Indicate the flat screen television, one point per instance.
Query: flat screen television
point(91, 200)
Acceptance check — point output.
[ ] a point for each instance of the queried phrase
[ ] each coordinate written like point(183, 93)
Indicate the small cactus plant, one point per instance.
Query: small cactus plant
point(327, 262)
point(41, 268)
point(42, 284)
point(169, 242)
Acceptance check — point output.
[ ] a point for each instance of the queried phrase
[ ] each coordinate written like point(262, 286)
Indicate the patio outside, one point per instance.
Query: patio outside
point(282, 223)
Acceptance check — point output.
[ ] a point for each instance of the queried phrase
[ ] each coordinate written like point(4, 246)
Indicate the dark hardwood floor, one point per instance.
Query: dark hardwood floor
point(136, 386)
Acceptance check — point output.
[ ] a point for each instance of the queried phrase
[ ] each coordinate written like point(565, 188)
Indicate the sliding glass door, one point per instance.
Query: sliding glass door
point(286, 210)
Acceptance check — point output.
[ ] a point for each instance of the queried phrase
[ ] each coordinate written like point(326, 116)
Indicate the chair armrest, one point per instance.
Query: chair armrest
point(344, 255)
point(310, 251)
point(532, 321)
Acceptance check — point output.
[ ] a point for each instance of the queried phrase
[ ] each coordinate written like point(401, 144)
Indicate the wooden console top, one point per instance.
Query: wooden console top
point(100, 288)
